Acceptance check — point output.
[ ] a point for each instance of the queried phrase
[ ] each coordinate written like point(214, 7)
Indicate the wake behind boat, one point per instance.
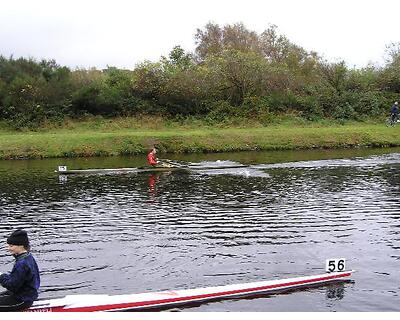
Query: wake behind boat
point(166, 299)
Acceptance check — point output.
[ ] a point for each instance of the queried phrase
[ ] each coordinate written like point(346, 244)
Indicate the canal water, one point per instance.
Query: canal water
point(281, 218)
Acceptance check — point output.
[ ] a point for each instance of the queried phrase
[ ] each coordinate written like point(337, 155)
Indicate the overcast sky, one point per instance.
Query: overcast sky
point(121, 33)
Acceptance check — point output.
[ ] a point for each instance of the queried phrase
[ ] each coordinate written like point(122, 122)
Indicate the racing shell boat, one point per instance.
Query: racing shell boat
point(63, 170)
point(166, 299)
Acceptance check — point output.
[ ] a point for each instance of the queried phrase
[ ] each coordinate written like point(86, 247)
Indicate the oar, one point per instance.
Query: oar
point(174, 163)
point(183, 164)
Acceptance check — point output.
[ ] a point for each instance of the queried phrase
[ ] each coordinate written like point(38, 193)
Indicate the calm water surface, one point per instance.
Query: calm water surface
point(131, 233)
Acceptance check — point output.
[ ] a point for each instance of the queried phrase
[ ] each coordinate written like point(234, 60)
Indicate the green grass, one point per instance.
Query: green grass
point(128, 136)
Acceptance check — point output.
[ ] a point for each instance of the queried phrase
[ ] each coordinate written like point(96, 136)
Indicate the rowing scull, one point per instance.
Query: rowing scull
point(163, 299)
point(64, 170)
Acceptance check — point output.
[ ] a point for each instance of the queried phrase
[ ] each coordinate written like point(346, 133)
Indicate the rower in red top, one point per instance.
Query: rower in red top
point(152, 158)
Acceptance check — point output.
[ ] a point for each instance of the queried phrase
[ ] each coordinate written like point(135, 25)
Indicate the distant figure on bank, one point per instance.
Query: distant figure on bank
point(394, 112)
point(152, 157)
point(23, 282)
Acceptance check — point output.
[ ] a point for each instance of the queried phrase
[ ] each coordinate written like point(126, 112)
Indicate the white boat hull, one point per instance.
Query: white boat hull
point(143, 301)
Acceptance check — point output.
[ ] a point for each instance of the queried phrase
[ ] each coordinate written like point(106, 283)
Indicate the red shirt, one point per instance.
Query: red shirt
point(151, 158)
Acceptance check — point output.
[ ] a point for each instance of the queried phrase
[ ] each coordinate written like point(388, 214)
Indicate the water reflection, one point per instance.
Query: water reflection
point(336, 291)
point(146, 232)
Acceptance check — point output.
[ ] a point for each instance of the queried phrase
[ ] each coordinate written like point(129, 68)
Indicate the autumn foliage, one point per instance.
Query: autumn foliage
point(232, 73)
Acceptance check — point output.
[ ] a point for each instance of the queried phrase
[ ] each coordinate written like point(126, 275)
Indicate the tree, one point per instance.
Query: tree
point(238, 74)
point(335, 74)
point(214, 39)
point(390, 75)
point(178, 59)
point(274, 47)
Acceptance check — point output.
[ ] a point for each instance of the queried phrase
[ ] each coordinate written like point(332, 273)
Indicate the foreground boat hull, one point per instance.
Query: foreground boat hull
point(164, 299)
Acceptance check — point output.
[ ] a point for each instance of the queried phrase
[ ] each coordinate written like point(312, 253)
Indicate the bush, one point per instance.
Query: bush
point(237, 76)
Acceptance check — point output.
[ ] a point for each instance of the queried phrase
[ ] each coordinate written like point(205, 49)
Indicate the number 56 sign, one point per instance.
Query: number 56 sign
point(335, 265)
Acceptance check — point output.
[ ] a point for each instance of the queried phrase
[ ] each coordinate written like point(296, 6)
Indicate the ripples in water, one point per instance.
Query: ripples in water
point(148, 232)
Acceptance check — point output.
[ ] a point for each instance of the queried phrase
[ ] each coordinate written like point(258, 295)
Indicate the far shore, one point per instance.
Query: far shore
point(112, 141)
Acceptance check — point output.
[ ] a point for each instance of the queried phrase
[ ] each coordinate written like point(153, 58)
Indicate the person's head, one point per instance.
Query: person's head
point(396, 103)
point(18, 242)
point(154, 150)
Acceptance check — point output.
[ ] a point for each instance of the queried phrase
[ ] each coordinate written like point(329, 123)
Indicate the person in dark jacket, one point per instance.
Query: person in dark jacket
point(23, 282)
point(394, 112)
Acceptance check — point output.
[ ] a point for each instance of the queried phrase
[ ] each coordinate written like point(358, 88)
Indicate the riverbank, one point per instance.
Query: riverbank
point(111, 139)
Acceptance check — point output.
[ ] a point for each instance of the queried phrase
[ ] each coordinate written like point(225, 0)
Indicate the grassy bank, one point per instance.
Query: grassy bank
point(126, 137)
